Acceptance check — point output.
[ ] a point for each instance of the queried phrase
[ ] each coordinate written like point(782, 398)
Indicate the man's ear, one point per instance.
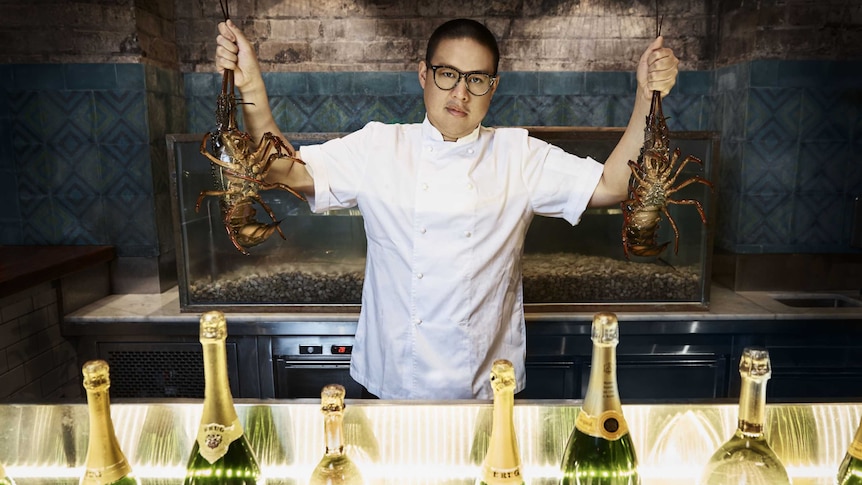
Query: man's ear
point(423, 72)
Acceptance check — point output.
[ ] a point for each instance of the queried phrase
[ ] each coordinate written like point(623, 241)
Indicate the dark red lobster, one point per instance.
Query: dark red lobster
point(651, 185)
point(239, 167)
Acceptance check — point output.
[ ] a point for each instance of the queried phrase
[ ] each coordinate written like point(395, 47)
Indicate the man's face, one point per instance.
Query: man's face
point(456, 113)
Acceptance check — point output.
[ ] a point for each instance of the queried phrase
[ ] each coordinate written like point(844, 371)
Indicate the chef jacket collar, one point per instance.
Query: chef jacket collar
point(430, 131)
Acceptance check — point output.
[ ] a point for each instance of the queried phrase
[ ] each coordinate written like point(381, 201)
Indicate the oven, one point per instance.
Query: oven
point(304, 364)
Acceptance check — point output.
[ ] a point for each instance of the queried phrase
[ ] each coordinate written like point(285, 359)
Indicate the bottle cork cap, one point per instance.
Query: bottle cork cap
point(502, 375)
point(605, 328)
point(755, 363)
point(213, 326)
point(96, 374)
point(332, 398)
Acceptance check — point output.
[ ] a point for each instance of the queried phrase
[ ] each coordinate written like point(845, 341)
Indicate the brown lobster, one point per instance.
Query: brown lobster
point(652, 183)
point(239, 167)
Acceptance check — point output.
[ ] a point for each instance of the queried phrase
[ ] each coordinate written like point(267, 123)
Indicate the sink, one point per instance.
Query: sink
point(816, 300)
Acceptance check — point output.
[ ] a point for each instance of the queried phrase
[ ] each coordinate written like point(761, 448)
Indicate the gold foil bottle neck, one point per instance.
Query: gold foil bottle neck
point(96, 375)
point(503, 376)
point(332, 398)
point(606, 329)
point(213, 326)
point(755, 363)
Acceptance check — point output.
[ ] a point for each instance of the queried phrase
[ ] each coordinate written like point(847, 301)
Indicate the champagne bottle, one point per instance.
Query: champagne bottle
point(335, 468)
point(746, 457)
point(600, 449)
point(850, 471)
point(106, 463)
point(5, 480)
point(221, 454)
point(502, 464)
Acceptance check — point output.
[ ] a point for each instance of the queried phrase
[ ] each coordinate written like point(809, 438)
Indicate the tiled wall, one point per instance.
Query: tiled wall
point(82, 155)
point(36, 362)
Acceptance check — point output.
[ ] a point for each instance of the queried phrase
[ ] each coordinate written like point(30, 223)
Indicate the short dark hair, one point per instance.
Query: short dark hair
point(460, 29)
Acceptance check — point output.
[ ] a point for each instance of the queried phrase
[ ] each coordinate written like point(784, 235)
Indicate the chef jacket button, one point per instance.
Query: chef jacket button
point(429, 149)
point(419, 275)
point(467, 233)
point(422, 230)
point(424, 186)
point(469, 186)
point(417, 321)
point(470, 151)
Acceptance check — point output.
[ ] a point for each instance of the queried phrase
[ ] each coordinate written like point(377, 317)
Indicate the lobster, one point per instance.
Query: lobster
point(239, 167)
point(650, 186)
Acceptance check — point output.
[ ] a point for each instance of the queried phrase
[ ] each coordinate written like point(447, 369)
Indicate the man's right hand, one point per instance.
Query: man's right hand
point(233, 51)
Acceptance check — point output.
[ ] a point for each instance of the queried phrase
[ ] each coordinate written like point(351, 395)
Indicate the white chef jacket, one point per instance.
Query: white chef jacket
point(445, 223)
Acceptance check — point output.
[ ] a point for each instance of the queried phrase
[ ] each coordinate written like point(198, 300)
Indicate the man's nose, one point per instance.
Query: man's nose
point(460, 89)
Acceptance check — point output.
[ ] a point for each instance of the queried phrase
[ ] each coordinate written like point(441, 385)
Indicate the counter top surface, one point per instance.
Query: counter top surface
point(725, 304)
point(22, 267)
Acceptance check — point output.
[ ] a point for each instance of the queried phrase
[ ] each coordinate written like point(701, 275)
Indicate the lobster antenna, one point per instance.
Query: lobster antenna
point(658, 20)
point(225, 10)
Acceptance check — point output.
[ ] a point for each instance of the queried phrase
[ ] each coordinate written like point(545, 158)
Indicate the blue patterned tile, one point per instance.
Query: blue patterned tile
point(518, 83)
point(733, 78)
point(130, 77)
point(730, 167)
point(765, 73)
point(39, 223)
point(694, 83)
point(329, 83)
point(826, 115)
point(29, 77)
point(818, 220)
point(773, 114)
point(75, 171)
point(765, 219)
point(769, 167)
point(11, 232)
point(613, 83)
point(80, 219)
point(132, 226)
point(285, 83)
point(26, 118)
point(727, 220)
point(35, 172)
point(67, 117)
point(9, 194)
point(683, 113)
point(854, 171)
point(374, 83)
point(733, 115)
point(408, 83)
point(120, 117)
point(7, 149)
point(801, 74)
point(90, 76)
point(202, 84)
point(823, 167)
point(562, 83)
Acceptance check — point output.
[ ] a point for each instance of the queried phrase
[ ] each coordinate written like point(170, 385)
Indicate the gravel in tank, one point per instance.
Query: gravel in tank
point(548, 278)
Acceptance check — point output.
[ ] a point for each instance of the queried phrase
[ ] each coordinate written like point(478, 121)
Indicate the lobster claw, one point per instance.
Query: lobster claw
point(254, 233)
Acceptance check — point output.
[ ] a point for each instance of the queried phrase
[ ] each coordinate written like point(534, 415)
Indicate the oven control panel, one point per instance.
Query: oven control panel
point(313, 347)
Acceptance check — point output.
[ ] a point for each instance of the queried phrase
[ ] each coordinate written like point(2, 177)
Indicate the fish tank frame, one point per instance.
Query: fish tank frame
point(319, 266)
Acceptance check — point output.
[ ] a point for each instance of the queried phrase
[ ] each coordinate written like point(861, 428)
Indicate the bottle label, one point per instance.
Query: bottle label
point(855, 449)
point(215, 438)
point(106, 475)
point(503, 473)
point(610, 425)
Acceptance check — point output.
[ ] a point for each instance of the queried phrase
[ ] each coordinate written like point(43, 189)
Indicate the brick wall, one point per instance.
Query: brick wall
point(36, 362)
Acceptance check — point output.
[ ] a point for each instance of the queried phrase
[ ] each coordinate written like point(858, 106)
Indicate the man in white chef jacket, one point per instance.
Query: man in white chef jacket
point(446, 205)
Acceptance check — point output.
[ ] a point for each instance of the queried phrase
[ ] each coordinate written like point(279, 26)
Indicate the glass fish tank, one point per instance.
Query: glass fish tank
point(316, 262)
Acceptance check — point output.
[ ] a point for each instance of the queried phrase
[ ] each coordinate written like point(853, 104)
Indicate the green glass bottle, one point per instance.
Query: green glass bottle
point(502, 464)
point(850, 471)
point(335, 468)
point(221, 454)
point(106, 463)
point(600, 449)
point(747, 457)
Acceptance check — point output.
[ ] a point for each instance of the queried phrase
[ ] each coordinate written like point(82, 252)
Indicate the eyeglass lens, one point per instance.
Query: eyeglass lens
point(447, 78)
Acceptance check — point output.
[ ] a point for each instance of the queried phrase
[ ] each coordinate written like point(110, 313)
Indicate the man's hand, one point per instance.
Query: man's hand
point(657, 69)
point(233, 51)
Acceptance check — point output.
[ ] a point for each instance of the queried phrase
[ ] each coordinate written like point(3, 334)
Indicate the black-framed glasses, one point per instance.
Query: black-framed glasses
point(478, 83)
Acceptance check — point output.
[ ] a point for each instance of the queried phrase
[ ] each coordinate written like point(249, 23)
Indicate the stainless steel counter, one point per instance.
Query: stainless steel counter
point(417, 442)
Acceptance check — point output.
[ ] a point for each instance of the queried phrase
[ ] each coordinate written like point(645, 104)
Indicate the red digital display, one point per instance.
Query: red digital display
point(341, 349)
